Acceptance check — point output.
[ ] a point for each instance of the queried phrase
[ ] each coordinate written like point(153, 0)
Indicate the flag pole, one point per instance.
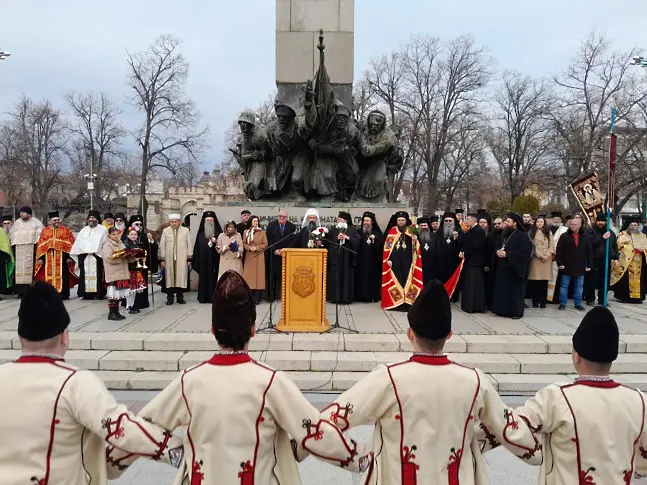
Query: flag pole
point(610, 198)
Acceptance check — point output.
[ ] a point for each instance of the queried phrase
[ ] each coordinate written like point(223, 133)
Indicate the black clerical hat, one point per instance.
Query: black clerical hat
point(346, 216)
point(120, 215)
point(597, 338)
point(206, 214)
point(423, 220)
point(459, 211)
point(518, 219)
point(449, 215)
point(434, 218)
point(402, 214)
point(42, 314)
point(556, 214)
point(369, 214)
point(430, 316)
point(7, 218)
point(108, 215)
point(26, 210)
point(53, 214)
point(94, 214)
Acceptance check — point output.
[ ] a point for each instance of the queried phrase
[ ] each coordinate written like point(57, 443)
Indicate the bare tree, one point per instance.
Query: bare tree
point(386, 81)
point(363, 100)
point(169, 136)
point(13, 177)
point(519, 134)
point(38, 138)
point(98, 135)
point(596, 80)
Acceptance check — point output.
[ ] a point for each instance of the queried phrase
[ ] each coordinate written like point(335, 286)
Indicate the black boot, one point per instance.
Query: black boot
point(180, 299)
point(114, 311)
point(169, 299)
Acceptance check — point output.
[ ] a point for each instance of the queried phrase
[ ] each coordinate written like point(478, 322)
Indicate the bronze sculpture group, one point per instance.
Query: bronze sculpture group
point(318, 151)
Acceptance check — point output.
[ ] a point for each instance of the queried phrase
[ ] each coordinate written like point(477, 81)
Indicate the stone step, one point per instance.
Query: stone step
point(378, 343)
point(341, 381)
point(328, 361)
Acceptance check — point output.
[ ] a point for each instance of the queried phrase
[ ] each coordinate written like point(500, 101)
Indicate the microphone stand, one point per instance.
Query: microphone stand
point(270, 327)
point(340, 269)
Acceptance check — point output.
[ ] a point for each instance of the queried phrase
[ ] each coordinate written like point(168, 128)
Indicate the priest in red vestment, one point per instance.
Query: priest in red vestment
point(401, 265)
point(54, 263)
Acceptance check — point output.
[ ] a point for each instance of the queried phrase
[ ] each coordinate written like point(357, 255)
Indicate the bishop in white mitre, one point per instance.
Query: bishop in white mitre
point(241, 415)
point(24, 235)
point(425, 409)
point(60, 425)
point(86, 251)
point(592, 430)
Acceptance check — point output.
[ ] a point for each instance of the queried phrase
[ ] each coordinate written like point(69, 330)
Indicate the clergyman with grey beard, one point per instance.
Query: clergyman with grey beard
point(206, 260)
point(427, 239)
point(446, 248)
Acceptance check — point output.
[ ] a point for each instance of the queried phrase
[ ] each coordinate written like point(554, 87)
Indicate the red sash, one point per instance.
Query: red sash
point(393, 294)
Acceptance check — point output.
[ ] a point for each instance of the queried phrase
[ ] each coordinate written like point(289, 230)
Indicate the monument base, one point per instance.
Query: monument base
point(266, 210)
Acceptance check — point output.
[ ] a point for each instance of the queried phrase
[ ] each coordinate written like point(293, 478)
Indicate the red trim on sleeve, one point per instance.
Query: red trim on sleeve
point(230, 359)
point(431, 360)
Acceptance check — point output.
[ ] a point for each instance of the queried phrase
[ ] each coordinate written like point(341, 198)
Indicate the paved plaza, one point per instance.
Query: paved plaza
point(146, 351)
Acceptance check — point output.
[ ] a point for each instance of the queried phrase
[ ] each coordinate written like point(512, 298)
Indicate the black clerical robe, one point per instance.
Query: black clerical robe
point(511, 275)
point(273, 263)
point(445, 258)
point(342, 264)
point(494, 242)
point(206, 262)
point(368, 277)
point(474, 250)
point(427, 252)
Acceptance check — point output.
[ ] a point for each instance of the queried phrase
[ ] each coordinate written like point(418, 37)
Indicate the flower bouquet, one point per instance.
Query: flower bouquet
point(342, 227)
point(316, 237)
point(414, 230)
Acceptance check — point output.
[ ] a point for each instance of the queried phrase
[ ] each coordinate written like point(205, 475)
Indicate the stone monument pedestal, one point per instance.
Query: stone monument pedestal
point(297, 34)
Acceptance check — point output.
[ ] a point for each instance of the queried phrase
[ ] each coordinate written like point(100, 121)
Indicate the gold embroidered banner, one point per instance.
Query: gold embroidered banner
point(586, 190)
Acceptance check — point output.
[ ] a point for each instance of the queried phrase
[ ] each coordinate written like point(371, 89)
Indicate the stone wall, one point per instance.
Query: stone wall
point(297, 35)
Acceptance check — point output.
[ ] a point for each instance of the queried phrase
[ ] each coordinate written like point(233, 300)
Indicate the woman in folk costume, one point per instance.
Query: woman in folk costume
point(593, 429)
point(239, 430)
point(117, 274)
point(425, 409)
point(541, 265)
point(255, 242)
point(137, 276)
point(230, 247)
point(60, 425)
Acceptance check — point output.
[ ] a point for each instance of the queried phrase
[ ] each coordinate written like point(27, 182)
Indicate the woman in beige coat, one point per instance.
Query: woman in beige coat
point(254, 242)
point(230, 247)
point(541, 266)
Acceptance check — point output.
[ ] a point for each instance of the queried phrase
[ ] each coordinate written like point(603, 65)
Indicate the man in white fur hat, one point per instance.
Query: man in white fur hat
point(175, 254)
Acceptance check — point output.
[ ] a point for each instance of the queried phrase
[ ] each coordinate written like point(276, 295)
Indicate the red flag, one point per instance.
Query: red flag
point(612, 170)
point(452, 282)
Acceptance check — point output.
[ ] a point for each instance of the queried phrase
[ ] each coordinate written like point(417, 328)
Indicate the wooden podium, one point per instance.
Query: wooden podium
point(303, 290)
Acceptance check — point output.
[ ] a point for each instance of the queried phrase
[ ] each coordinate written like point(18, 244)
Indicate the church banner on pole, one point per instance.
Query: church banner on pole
point(586, 190)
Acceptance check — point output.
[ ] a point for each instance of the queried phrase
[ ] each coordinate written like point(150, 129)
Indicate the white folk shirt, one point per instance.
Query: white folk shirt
point(61, 426)
point(425, 410)
point(240, 416)
point(593, 432)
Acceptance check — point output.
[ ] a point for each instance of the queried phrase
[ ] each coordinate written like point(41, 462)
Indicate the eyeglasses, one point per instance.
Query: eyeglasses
point(137, 223)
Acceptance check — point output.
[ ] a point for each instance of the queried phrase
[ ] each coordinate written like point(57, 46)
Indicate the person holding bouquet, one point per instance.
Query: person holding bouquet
point(230, 247)
point(138, 284)
point(115, 259)
point(342, 262)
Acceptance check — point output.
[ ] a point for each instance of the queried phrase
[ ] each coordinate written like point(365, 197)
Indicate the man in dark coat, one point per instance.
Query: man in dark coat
point(427, 238)
point(594, 279)
point(244, 222)
point(280, 232)
point(574, 259)
point(473, 251)
point(206, 260)
point(512, 269)
point(368, 277)
point(446, 249)
point(341, 261)
point(495, 241)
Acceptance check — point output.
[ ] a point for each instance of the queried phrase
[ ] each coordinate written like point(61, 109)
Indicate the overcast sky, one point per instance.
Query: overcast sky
point(77, 45)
